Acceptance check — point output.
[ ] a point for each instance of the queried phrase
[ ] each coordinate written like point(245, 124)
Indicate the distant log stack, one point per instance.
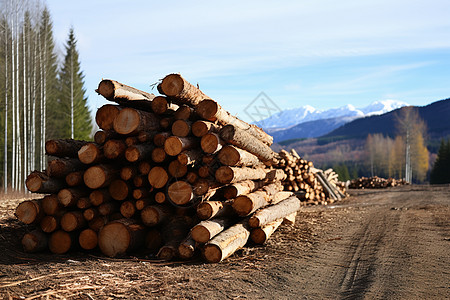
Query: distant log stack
point(158, 166)
point(375, 182)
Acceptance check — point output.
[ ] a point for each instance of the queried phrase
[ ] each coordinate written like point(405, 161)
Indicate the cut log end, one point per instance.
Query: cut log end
point(27, 212)
point(180, 192)
point(88, 239)
point(60, 242)
point(207, 109)
point(200, 234)
point(158, 177)
point(212, 253)
point(172, 85)
point(114, 239)
point(95, 177)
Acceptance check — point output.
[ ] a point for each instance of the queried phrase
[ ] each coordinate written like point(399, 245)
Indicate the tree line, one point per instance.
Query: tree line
point(42, 96)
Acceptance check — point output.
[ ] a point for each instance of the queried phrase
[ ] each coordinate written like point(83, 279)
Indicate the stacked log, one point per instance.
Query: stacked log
point(375, 182)
point(173, 175)
point(312, 185)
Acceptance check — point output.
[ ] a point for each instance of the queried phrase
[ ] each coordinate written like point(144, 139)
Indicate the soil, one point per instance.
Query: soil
point(377, 244)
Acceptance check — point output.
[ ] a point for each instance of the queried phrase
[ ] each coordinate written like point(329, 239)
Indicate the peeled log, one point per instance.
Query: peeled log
point(29, 211)
point(63, 147)
point(227, 242)
point(131, 121)
point(99, 176)
point(174, 85)
point(234, 156)
point(262, 234)
point(90, 154)
point(244, 205)
point(116, 91)
point(35, 241)
point(274, 212)
point(105, 116)
point(244, 140)
point(119, 237)
point(180, 193)
point(242, 188)
point(212, 111)
point(227, 174)
point(60, 167)
point(210, 209)
point(88, 239)
point(39, 182)
point(206, 230)
point(60, 242)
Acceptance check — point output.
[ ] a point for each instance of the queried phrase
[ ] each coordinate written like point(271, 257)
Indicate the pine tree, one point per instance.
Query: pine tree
point(77, 118)
point(440, 173)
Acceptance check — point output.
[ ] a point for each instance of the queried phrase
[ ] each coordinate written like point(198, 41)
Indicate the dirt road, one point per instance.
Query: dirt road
point(378, 244)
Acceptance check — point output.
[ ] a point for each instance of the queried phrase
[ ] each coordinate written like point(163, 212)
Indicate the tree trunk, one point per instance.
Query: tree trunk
point(39, 182)
point(274, 212)
point(206, 230)
point(35, 241)
point(175, 86)
point(233, 156)
point(75, 178)
point(119, 237)
point(227, 242)
point(60, 167)
point(29, 211)
point(118, 92)
point(64, 147)
point(244, 140)
point(158, 177)
point(132, 121)
point(175, 145)
point(212, 111)
point(73, 220)
point(88, 239)
point(201, 128)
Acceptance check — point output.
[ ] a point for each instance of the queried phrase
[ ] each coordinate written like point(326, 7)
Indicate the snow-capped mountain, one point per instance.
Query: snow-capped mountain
point(292, 117)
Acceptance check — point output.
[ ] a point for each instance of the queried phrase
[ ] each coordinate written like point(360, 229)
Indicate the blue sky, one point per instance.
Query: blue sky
point(320, 53)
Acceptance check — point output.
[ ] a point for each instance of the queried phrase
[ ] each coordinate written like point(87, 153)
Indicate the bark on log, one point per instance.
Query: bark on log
point(99, 176)
point(244, 140)
point(244, 205)
point(227, 242)
point(63, 147)
point(226, 174)
point(175, 145)
point(118, 92)
point(105, 116)
point(160, 138)
point(60, 167)
point(206, 230)
point(234, 156)
point(158, 177)
point(69, 197)
point(274, 212)
point(75, 178)
point(212, 111)
point(60, 242)
point(201, 128)
point(88, 239)
point(290, 220)
point(29, 211)
point(180, 193)
point(262, 234)
point(175, 86)
point(39, 182)
point(131, 121)
point(49, 224)
point(72, 220)
point(35, 241)
point(190, 157)
point(91, 154)
point(119, 237)
point(161, 104)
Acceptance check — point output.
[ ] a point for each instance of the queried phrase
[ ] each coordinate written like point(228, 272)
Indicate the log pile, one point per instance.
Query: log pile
point(312, 185)
point(172, 175)
point(375, 182)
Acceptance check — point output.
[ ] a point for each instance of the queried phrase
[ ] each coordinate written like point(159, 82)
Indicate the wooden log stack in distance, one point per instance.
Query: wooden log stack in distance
point(174, 175)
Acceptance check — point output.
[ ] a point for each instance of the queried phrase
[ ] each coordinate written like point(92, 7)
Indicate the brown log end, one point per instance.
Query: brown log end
point(180, 192)
point(212, 253)
point(114, 239)
point(172, 85)
point(126, 121)
point(242, 205)
point(210, 143)
point(27, 212)
point(106, 114)
point(49, 224)
point(207, 109)
point(88, 239)
point(89, 153)
point(173, 146)
point(60, 242)
point(158, 177)
point(34, 241)
point(119, 189)
point(258, 236)
point(95, 177)
point(200, 234)
point(224, 174)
